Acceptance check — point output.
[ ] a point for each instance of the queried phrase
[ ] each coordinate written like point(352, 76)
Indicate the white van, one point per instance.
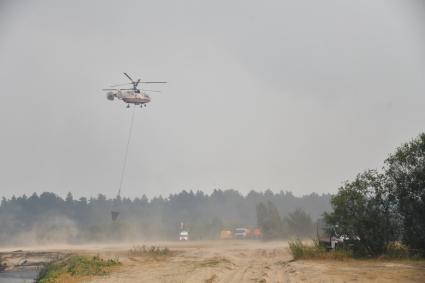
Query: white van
point(184, 236)
point(241, 233)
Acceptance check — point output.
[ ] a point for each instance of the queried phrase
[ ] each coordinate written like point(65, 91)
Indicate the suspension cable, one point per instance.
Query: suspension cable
point(126, 151)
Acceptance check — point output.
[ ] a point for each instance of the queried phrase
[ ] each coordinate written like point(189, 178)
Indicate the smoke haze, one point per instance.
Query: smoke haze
point(48, 219)
point(283, 95)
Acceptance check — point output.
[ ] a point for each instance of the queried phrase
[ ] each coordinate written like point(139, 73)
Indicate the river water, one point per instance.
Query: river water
point(19, 276)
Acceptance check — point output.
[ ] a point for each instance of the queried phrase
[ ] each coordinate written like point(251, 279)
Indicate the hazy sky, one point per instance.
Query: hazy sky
point(281, 95)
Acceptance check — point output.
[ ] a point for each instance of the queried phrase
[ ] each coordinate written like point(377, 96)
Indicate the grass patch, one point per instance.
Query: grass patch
point(3, 265)
point(209, 263)
point(393, 251)
point(153, 251)
point(76, 266)
point(299, 250)
point(396, 250)
point(213, 262)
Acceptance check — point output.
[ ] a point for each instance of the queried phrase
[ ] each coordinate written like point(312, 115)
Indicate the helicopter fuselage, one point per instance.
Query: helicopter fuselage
point(131, 97)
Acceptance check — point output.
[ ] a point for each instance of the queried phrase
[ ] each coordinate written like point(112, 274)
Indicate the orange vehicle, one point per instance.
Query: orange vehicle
point(257, 233)
point(226, 235)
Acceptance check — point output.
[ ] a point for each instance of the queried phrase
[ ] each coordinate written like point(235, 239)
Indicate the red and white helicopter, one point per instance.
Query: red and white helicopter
point(131, 95)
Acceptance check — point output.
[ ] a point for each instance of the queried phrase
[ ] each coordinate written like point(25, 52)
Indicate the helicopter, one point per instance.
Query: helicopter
point(131, 95)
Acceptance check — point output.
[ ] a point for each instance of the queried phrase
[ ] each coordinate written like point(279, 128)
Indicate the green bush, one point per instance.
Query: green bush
point(84, 266)
point(76, 266)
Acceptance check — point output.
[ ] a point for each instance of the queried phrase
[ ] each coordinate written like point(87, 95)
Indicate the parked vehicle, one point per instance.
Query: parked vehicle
point(256, 233)
point(226, 235)
point(184, 236)
point(241, 233)
point(330, 239)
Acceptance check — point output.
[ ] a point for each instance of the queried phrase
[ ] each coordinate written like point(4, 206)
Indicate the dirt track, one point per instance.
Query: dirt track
point(241, 261)
point(249, 261)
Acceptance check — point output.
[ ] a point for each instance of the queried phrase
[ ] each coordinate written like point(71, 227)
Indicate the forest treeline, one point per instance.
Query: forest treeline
point(383, 211)
point(47, 217)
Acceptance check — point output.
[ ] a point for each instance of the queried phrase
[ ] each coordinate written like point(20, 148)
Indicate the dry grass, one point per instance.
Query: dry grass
point(150, 252)
point(3, 265)
point(299, 250)
point(212, 262)
point(396, 250)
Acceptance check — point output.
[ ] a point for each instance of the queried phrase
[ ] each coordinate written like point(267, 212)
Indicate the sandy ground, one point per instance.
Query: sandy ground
point(241, 261)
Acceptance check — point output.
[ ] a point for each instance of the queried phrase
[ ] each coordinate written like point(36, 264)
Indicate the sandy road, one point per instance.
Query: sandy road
point(251, 261)
point(234, 261)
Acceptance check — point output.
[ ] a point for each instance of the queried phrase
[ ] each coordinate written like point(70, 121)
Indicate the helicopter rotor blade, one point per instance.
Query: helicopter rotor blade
point(151, 90)
point(110, 89)
point(153, 82)
point(128, 77)
point(121, 84)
